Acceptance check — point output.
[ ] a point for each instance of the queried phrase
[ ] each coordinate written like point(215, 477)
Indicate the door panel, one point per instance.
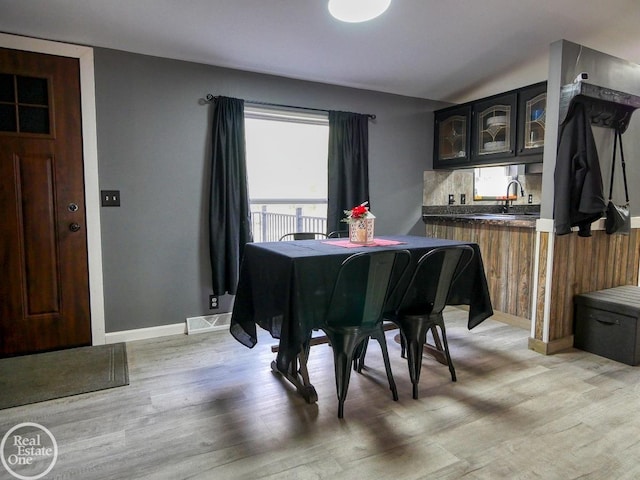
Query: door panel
point(36, 217)
point(44, 288)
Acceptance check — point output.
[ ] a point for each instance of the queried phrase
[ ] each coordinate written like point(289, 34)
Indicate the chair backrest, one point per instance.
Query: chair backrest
point(436, 271)
point(302, 236)
point(362, 286)
point(338, 234)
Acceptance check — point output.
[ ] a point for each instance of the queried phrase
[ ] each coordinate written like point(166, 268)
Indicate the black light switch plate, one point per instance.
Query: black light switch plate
point(110, 198)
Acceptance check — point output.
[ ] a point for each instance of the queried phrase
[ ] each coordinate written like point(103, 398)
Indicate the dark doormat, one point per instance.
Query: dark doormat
point(45, 376)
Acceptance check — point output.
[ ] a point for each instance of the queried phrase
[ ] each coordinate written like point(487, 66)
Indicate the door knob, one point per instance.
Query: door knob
point(74, 227)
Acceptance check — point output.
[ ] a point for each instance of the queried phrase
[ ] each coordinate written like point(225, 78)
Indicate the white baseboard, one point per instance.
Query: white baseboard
point(146, 333)
point(219, 322)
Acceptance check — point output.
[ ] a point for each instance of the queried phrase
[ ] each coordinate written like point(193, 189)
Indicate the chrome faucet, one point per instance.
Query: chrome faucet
point(506, 200)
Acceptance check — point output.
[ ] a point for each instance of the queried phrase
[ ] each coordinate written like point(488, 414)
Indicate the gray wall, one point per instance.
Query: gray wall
point(153, 146)
point(566, 61)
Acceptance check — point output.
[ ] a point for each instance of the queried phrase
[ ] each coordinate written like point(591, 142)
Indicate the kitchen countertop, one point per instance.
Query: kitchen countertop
point(524, 216)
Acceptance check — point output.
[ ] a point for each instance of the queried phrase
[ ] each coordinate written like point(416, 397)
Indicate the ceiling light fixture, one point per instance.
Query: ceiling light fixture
point(354, 11)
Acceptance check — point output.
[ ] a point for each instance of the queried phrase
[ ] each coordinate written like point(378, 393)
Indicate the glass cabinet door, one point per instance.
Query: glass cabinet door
point(453, 141)
point(452, 136)
point(494, 128)
point(533, 111)
point(534, 124)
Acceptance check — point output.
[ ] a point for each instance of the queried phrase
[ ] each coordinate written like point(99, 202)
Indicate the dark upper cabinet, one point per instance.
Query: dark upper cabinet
point(499, 130)
point(452, 138)
point(493, 133)
point(532, 113)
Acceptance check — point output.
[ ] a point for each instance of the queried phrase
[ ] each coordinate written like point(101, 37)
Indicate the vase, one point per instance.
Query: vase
point(361, 230)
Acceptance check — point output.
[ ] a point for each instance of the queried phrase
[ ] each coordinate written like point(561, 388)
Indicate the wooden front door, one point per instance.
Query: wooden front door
point(44, 286)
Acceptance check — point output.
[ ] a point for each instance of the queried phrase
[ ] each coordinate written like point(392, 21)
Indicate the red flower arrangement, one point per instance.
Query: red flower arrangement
point(356, 213)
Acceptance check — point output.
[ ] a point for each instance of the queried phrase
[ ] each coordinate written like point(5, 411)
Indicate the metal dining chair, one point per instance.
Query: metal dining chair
point(420, 308)
point(302, 236)
point(355, 312)
point(339, 234)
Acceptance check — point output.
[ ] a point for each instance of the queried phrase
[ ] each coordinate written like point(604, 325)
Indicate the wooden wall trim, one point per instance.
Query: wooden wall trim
point(549, 348)
point(543, 261)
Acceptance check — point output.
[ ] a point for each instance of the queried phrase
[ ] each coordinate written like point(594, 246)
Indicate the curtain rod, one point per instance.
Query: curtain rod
point(210, 98)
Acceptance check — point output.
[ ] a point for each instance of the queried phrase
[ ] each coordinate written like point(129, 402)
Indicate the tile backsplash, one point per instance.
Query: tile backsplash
point(439, 184)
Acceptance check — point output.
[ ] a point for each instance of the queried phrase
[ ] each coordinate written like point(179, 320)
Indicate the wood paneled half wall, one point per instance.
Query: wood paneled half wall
point(569, 265)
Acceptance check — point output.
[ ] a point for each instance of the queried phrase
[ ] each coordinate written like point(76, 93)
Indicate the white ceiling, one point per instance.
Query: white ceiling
point(434, 49)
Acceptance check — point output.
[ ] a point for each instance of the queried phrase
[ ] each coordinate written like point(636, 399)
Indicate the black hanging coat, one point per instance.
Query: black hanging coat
point(579, 196)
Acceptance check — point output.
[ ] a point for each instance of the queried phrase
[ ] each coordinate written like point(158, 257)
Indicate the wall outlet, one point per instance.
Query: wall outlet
point(452, 199)
point(213, 302)
point(463, 199)
point(530, 198)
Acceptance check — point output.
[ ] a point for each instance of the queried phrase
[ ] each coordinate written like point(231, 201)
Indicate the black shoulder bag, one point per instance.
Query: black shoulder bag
point(618, 219)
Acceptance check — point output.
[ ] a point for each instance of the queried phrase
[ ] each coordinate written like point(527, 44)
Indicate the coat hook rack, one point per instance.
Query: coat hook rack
point(607, 107)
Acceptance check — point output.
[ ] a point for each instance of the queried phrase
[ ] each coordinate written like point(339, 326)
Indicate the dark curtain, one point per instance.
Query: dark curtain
point(229, 217)
point(348, 165)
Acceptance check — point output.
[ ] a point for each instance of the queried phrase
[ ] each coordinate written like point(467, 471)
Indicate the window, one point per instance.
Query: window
point(24, 104)
point(287, 171)
point(490, 183)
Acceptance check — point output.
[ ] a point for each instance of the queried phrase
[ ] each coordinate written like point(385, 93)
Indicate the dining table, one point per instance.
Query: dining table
point(285, 288)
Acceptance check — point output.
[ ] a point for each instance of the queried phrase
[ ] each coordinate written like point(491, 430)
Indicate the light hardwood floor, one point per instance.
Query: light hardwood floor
point(206, 407)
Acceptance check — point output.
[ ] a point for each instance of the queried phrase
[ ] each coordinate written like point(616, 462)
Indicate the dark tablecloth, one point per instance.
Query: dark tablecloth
point(284, 287)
